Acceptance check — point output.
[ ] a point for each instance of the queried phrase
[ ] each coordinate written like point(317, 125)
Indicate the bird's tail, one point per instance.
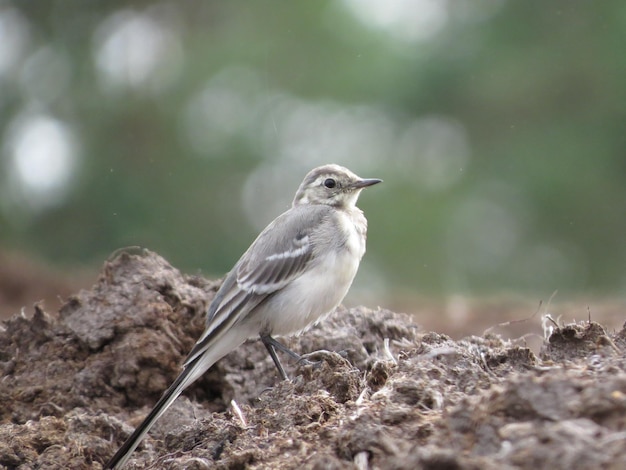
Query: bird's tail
point(185, 378)
point(209, 349)
point(213, 348)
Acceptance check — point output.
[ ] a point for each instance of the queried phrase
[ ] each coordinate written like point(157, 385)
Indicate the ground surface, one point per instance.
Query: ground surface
point(75, 383)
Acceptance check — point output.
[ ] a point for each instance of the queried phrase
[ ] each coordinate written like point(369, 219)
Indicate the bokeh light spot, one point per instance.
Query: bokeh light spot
point(133, 50)
point(403, 20)
point(42, 159)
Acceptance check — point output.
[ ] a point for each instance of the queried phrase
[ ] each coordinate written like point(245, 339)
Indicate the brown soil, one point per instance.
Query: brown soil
point(75, 383)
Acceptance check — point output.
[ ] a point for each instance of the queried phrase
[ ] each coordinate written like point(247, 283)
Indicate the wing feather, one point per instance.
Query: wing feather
point(279, 255)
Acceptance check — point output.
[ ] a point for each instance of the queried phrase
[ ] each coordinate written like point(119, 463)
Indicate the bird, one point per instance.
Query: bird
point(296, 272)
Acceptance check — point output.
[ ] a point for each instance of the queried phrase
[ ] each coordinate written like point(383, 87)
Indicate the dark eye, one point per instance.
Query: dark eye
point(330, 183)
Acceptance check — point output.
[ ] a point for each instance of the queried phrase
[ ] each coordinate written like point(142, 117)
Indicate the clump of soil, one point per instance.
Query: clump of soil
point(385, 395)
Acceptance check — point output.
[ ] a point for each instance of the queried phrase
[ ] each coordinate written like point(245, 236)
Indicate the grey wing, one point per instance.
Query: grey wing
point(282, 251)
point(278, 256)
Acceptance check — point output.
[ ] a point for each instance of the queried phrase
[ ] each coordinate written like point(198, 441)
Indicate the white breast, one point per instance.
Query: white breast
point(354, 224)
point(321, 288)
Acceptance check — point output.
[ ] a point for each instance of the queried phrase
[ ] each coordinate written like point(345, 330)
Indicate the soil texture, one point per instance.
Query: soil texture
point(383, 395)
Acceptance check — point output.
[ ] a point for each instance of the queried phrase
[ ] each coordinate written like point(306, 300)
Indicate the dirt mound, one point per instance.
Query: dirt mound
point(74, 384)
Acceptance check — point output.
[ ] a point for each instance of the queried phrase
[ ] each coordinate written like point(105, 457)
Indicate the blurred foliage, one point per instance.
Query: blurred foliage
point(498, 126)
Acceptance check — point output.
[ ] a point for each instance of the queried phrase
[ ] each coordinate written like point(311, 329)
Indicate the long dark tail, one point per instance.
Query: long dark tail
point(211, 347)
point(185, 378)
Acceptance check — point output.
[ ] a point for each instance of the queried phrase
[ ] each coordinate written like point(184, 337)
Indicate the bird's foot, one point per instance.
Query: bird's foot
point(316, 358)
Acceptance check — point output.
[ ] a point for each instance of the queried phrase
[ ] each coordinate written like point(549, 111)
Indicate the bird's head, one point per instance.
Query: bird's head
point(332, 185)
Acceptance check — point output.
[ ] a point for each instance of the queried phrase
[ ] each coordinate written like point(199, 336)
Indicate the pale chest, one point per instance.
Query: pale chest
point(353, 226)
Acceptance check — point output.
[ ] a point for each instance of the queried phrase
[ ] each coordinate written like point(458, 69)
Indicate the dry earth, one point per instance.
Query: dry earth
point(390, 396)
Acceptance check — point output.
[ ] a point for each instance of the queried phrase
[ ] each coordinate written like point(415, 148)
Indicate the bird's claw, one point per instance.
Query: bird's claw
point(303, 361)
point(316, 358)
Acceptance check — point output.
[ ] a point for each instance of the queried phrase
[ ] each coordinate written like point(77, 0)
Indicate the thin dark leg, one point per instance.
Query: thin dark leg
point(270, 343)
point(267, 339)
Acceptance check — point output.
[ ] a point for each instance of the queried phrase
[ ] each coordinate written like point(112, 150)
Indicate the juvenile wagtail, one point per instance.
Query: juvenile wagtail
point(296, 272)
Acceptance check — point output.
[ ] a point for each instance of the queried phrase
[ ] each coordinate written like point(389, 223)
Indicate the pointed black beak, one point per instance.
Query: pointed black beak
point(364, 183)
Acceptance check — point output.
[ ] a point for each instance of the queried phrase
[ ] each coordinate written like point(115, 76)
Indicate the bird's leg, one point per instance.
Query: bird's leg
point(271, 344)
point(268, 341)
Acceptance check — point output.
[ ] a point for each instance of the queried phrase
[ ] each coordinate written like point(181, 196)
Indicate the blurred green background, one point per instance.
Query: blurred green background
point(499, 128)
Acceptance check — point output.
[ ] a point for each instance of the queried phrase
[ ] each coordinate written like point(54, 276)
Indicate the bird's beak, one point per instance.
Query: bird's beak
point(364, 183)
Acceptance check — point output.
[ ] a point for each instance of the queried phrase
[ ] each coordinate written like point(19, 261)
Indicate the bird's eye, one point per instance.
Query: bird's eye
point(330, 183)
